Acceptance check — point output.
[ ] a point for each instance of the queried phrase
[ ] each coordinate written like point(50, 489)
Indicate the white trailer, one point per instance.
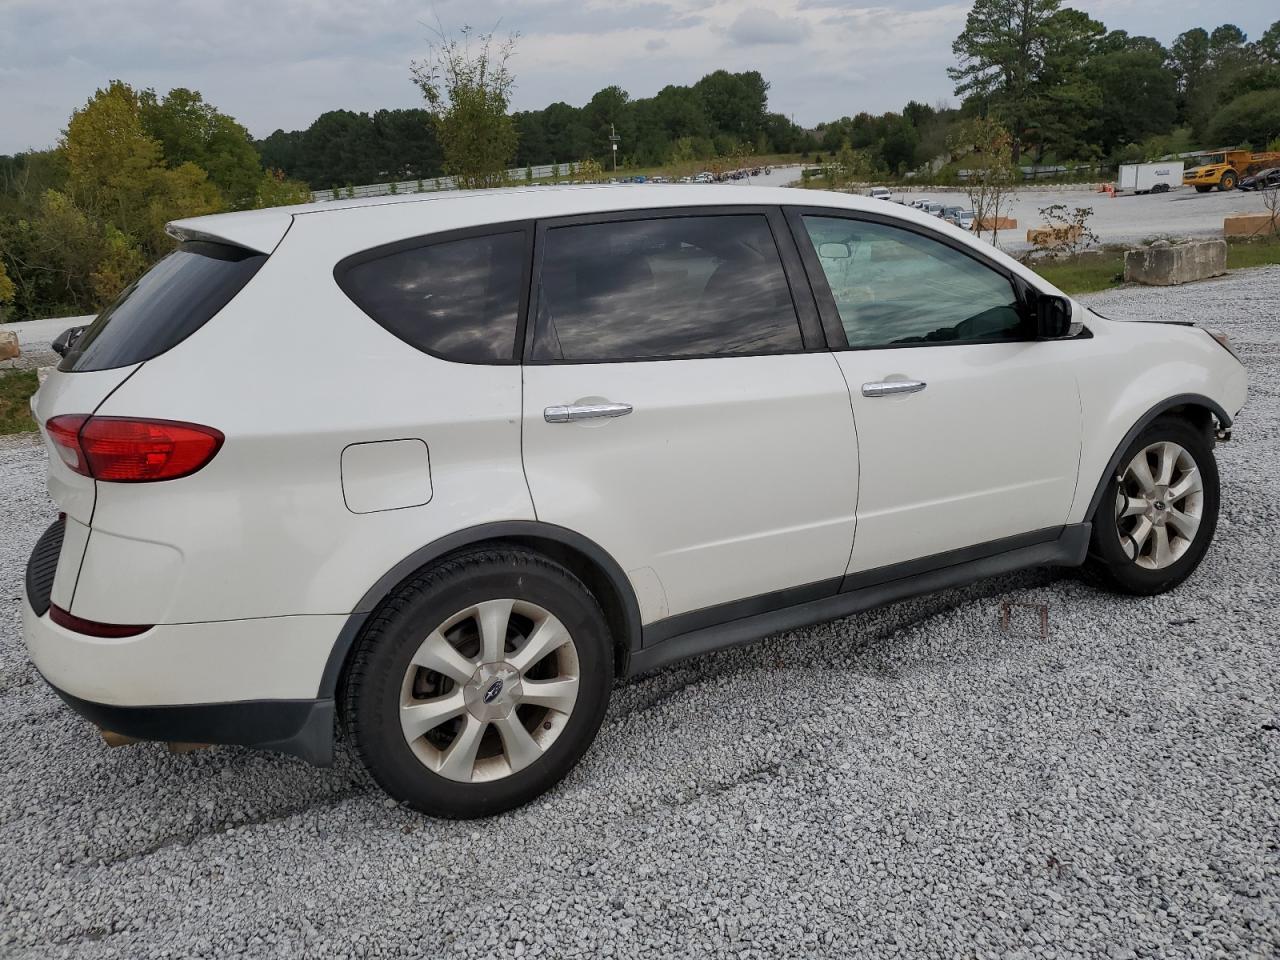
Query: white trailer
point(1150, 177)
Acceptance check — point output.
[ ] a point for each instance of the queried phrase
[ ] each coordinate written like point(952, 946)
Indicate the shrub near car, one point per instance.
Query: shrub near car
point(436, 472)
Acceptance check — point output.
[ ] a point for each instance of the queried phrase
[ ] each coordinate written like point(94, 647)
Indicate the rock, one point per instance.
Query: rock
point(9, 349)
point(1164, 264)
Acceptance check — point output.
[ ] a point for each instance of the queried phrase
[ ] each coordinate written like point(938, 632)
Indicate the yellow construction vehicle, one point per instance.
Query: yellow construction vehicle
point(1225, 168)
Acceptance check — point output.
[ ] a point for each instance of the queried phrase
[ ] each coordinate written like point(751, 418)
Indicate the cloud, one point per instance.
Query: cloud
point(760, 26)
point(656, 43)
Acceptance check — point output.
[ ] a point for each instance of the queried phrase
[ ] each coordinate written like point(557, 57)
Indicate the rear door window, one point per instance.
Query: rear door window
point(663, 288)
point(456, 299)
point(167, 304)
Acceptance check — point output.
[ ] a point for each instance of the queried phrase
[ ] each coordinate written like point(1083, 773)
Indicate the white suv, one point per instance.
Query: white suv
point(439, 470)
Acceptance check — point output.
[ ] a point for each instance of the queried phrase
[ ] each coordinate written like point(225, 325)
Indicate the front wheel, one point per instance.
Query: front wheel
point(1158, 513)
point(1228, 181)
point(1200, 189)
point(479, 683)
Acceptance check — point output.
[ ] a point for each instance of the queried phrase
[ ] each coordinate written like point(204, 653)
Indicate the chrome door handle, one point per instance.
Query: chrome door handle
point(888, 388)
point(585, 411)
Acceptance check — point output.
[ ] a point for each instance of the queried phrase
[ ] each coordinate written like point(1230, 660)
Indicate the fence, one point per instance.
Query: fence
point(516, 175)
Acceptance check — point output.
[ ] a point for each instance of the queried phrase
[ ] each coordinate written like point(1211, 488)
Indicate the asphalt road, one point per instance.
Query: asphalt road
point(913, 782)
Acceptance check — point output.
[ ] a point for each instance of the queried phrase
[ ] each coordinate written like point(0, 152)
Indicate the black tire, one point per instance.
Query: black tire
point(376, 674)
point(1110, 564)
point(1200, 189)
point(1228, 182)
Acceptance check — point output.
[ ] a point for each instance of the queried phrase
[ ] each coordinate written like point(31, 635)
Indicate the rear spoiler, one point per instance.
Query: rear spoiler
point(258, 230)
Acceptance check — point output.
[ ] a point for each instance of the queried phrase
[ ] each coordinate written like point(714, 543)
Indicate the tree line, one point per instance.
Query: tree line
point(81, 221)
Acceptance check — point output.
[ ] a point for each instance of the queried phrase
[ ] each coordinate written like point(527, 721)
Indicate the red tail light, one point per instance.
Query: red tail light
point(128, 450)
point(93, 628)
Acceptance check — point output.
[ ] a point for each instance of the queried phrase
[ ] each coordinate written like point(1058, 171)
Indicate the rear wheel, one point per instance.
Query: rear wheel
point(480, 683)
point(1158, 513)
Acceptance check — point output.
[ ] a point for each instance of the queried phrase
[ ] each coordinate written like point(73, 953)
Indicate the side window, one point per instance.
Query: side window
point(895, 287)
point(691, 286)
point(458, 299)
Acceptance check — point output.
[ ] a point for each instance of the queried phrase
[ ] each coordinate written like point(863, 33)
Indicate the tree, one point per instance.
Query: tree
point(1001, 52)
point(987, 150)
point(7, 290)
point(190, 130)
point(468, 91)
point(1252, 118)
point(1138, 93)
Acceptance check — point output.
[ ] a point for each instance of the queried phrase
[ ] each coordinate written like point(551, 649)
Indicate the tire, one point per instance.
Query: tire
point(1228, 182)
point(1200, 189)
point(1125, 552)
point(441, 618)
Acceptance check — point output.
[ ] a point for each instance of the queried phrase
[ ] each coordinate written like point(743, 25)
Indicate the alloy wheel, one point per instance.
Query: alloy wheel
point(489, 690)
point(1159, 505)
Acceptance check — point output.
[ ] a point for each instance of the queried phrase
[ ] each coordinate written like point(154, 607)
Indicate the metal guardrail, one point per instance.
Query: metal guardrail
point(516, 175)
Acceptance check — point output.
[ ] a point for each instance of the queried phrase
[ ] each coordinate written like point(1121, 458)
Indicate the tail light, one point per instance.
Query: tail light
point(92, 628)
point(129, 450)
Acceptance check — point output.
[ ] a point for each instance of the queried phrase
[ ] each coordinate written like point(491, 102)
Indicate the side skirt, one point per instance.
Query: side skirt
point(861, 591)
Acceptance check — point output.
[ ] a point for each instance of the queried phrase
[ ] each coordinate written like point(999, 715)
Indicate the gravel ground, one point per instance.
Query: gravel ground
point(914, 782)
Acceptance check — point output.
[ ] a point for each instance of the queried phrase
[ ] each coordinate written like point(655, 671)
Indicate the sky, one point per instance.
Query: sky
point(280, 63)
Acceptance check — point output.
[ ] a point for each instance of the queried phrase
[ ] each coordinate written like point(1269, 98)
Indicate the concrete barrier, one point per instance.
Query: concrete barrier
point(1001, 223)
point(1165, 264)
point(1250, 225)
point(9, 349)
point(1051, 234)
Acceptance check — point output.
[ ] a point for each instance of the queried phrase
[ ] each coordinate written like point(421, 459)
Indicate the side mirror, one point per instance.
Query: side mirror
point(834, 251)
point(1053, 317)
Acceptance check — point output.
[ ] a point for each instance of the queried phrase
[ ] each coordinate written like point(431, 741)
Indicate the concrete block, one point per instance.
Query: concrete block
point(1001, 223)
point(1164, 264)
point(1249, 225)
point(9, 349)
point(1054, 234)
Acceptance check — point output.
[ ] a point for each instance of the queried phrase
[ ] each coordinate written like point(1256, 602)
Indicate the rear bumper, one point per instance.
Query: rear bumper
point(254, 683)
point(302, 728)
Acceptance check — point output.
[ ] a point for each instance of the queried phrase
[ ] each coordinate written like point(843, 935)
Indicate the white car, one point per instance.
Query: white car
point(879, 193)
point(436, 470)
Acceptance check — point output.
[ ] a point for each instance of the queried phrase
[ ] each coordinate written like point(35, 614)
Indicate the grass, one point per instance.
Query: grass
point(16, 388)
point(1092, 273)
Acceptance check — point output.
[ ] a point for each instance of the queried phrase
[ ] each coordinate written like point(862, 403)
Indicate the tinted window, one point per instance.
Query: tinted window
point(459, 299)
point(171, 301)
point(895, 287)
point(673, 287)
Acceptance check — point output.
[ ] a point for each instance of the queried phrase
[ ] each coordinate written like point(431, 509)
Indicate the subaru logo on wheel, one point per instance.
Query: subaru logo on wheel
point(495, 688)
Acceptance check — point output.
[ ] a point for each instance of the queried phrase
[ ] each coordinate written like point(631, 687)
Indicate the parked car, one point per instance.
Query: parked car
point(965, 220)
point(952, 214)
point(879, 193)
point(1262, 180)
point(486, 452)
point(931, 207)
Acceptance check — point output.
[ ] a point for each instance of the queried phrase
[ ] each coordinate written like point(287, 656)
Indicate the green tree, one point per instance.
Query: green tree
point(1252, 118)
point(1138, 87)
point(1001, 52)
point(468, 89)
point(190, 130)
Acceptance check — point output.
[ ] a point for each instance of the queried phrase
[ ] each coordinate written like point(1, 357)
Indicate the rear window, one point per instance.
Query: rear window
point(456, 299)
point(167, 304)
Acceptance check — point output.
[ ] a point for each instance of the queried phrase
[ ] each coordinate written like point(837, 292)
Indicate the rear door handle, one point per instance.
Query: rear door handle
point(585, 411)
point(889, 388)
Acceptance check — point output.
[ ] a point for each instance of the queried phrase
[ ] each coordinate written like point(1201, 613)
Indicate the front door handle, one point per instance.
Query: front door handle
point(889, 388)
point(585, 411)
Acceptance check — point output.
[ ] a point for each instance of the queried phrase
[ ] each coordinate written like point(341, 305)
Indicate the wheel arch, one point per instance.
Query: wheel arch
point(1196, 408)
point(590, 562)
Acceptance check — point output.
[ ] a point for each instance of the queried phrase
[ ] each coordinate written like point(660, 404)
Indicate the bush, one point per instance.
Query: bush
point(1251, 118)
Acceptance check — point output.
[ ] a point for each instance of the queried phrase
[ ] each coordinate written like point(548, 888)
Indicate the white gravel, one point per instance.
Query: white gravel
point(913, 782)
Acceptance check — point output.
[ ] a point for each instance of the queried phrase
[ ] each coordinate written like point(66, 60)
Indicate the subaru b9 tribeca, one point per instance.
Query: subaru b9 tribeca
point(436, 471)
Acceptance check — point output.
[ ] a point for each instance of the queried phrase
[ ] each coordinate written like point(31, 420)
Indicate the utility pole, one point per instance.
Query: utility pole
point(614, 140)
